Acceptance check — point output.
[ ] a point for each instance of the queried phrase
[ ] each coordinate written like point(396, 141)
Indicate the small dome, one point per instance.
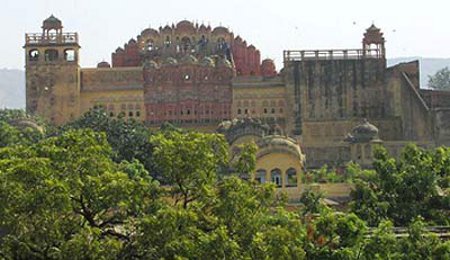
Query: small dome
point(278, 143)
point(189, 59)
point(373, 35)
point(203, 29)
point(268, 68)
point(220, 30)
point(237, 128)
point(207, 62)
point(52, 23)
point(362, 133)
point(103, 64)
point(167, 29)
point(170, 61)
point(149, 32)
point(23, 123)
point(373, 28)
point(151, 64)
point(185, 26)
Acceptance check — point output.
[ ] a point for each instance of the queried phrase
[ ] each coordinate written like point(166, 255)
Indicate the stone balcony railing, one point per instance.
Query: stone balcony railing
point(39, 38)
point(348, 54)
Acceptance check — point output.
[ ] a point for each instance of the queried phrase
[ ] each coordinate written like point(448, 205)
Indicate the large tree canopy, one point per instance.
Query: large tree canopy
point(416, 184)
point(69, 196)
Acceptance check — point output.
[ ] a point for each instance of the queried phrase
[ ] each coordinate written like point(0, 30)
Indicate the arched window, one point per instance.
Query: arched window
point(149, 45)
point(276, 177)
point(239, 111)
point(358, 152)
point(69, 55)
point(167, 42)
point(185, 44)
point(291, 177)
point(260, 176)
point(221, 44)
point(51, 55)
point(33, 55)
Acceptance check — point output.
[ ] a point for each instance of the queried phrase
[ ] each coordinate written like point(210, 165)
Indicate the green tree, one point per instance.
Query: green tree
point(312, 202)
point(334, 235)
point(440, 80)
point(65, 197)
point(129, 139)
point(381, 243)
point(414, 185)
point(420, 244)
point(189, 162)
point(12, 132)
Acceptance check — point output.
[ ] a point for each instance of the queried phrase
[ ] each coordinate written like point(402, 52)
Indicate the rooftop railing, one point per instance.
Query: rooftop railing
point(39, 38)
point(349, 54)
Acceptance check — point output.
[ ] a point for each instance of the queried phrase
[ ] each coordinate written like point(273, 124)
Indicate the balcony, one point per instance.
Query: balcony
point(42, 39)
point(349, 54)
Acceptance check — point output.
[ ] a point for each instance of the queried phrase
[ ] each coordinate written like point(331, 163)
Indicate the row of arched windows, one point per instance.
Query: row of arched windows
point(276, 176)
point(190, 110)
point(126, 110)
point(247, 107)
point(185, 44)
point(52, 55)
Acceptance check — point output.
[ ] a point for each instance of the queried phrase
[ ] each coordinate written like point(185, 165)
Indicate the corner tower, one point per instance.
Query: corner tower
point(52, 72)
point(373, 43)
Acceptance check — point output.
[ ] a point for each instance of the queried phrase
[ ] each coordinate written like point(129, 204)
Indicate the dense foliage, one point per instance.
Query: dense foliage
point(416, 184)
point(440, 80)
point(71, 195)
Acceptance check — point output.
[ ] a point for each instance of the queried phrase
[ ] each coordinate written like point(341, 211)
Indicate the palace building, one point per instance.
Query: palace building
point(322, 107)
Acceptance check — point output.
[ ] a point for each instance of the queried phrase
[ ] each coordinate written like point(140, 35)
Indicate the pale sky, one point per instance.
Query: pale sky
point(411, 28)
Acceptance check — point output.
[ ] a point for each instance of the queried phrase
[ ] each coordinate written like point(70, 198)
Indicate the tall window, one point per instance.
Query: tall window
point(291, 177)
point(69, 55)
point(51, 55)
point(276, 177)
point(34, 55)
point(185, 44)
point(260, 176)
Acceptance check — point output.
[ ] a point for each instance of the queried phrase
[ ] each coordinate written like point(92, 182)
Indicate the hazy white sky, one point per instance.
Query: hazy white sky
point(411, 28)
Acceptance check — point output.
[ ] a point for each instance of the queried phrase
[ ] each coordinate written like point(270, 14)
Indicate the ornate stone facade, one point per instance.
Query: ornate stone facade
point(197, 76)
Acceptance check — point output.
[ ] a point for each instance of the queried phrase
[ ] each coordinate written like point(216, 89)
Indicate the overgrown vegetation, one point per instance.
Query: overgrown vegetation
point(86, 191)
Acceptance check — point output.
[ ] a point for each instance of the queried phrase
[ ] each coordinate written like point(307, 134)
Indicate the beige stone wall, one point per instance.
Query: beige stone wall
point(118, 90)
point(283, 162)
point(53, 89)
point(326, 132)
point(127, 103)
point(442, 126)
point(258, 98)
